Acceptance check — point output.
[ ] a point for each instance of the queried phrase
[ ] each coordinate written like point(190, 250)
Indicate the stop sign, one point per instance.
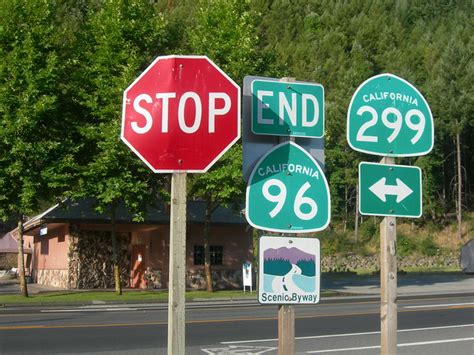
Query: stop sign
point(181, 114)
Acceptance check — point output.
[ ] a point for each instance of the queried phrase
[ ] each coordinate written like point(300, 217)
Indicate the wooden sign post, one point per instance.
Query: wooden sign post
point(388, 281)
point(177, 266)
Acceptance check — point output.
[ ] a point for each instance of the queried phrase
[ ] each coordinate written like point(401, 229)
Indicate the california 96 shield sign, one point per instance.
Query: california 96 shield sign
point(288, 192)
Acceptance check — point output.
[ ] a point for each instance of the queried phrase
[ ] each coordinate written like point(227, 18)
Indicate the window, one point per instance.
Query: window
point(216, 253)
point(199, 255)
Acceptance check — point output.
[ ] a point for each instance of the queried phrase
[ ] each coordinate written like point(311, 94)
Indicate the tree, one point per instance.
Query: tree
point(225, 31)
point(37, 130)
point(119, 40)
point(455, 99)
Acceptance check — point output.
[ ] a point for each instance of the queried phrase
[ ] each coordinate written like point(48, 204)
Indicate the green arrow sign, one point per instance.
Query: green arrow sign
point(288, 192)
point(388, 116)
point(287, 108)
point(389, 190)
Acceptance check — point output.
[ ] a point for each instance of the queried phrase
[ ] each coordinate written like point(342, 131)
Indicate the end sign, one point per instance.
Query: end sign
point(287, 108)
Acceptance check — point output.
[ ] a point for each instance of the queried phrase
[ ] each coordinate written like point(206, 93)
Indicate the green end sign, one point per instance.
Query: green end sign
point(288, 192)
point(287, 109)
point(388, 116)
point(390, 190)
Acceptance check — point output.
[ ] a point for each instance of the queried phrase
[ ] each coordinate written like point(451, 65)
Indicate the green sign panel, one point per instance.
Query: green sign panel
point(389, 190)
point(388, 116)
point(287, 109)
point(288, 192)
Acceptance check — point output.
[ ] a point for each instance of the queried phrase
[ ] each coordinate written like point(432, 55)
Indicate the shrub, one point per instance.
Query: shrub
point(429, 247)
point(368, 230)
point(406, 245)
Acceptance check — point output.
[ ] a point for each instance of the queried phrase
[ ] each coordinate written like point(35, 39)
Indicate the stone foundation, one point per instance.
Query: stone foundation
point(55, 278)
point(221, 279)
point(343, 263)
point(90, 259)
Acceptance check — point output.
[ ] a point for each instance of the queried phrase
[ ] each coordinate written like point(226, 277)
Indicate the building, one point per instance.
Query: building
point(72, 246)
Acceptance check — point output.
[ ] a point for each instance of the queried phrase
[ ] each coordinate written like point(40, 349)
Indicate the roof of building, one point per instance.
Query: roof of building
point(84, 211)
point(9, 244)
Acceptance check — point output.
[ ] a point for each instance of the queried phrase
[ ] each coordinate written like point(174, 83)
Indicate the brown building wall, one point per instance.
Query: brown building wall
point(149, 247)
point(51, 250)
point(50, 257)
point(236, 243)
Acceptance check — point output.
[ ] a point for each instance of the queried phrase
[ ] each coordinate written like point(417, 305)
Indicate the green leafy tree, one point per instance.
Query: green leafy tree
point(120, 39)
point(37, 130)
point(225, 31)
point(453, 93)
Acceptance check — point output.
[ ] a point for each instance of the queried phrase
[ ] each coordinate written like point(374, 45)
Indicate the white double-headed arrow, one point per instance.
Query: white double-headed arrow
point(381, 190)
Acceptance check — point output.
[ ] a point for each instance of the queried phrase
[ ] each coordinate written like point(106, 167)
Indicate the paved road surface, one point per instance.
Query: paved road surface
point(426, 326)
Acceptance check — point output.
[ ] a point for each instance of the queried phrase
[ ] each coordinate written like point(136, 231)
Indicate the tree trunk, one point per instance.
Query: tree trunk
point(21, 261)
point(345, 209)
point(356, 220)
point(207, 254)
point(459, 197)
point(115, 255)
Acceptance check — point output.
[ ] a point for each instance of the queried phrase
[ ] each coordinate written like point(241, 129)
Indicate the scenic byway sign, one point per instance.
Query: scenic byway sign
point(282, 108)
point(390, 190)
point(181, 114)
point(289, 270)
point(288, 192)
point(388, 116)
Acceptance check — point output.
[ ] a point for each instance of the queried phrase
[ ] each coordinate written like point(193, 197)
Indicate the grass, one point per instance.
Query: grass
point(79, 297)
point(418, 269)
point(412, 269)
point(87, 297)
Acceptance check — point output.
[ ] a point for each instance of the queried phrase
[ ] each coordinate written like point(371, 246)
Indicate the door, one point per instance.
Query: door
point(138, 266)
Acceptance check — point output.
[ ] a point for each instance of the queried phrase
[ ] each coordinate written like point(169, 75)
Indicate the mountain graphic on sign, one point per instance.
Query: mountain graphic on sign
point(280, 261)
point(293, 255)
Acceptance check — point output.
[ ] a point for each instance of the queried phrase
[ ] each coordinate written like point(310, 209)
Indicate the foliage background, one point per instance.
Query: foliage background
point(66, 63)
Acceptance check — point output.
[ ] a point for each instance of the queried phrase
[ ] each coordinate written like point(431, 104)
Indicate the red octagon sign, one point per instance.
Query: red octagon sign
point(181, 114)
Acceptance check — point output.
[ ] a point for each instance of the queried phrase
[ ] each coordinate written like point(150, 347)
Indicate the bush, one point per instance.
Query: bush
point(334, 243)
point(368, 230)
point(429, 247)
point(406, 245)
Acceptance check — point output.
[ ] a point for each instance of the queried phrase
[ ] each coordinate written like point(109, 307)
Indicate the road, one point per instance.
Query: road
point(285, 284)
point(432, 326)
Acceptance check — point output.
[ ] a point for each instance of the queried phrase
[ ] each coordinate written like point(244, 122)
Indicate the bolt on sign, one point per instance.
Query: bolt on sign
point(388, 116)
point(289, 270)
point(181, 114)
point(288, 192)
point(292, 109)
